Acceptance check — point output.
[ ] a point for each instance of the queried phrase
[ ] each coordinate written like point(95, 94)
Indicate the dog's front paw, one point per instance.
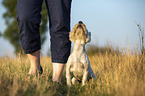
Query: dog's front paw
point(69, 84)
point(83, 83)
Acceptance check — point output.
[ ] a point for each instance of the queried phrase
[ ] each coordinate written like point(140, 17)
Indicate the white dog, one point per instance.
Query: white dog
point(78, 65)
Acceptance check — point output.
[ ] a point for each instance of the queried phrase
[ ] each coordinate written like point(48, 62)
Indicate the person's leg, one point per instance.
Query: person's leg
point(29, 18)
point(59, 21)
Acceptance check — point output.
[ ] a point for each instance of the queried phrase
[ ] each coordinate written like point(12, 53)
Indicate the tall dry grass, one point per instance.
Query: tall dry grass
point(117, 75)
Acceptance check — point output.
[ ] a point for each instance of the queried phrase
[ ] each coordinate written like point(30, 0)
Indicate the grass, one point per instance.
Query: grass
point(117, 75)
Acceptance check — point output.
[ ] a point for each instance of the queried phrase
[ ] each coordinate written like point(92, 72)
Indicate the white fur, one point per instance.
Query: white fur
point(78, 65)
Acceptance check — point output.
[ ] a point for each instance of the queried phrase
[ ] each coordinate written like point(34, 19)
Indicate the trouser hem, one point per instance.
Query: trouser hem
point(59, 60)
point(31, 51)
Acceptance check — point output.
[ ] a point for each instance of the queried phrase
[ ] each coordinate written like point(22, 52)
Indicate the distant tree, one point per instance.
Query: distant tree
point(11, 32)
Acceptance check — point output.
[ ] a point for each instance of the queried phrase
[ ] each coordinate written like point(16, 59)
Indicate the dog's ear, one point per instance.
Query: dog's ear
point(88, 38)
point(72, 36)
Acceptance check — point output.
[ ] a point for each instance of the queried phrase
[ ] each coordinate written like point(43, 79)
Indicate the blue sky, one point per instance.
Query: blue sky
point(110, 21)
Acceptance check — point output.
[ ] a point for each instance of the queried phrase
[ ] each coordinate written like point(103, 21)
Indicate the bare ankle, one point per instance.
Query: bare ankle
point(57, 72)
point(35, 62)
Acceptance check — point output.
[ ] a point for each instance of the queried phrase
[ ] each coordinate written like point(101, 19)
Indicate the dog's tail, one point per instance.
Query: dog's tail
point(91, 73)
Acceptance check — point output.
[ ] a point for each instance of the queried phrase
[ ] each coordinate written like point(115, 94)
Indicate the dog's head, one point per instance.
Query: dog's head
point(80, 33)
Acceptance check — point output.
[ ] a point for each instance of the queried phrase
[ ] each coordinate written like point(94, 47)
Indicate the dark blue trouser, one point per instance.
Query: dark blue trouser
point(29, 18)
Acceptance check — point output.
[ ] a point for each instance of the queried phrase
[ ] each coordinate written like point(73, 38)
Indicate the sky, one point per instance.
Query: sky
point(109, 21)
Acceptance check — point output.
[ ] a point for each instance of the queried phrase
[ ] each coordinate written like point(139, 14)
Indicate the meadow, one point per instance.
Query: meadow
point(118, 74)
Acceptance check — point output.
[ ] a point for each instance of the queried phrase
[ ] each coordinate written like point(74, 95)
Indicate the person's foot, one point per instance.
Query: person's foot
point(57, 72)
point(35, 63)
